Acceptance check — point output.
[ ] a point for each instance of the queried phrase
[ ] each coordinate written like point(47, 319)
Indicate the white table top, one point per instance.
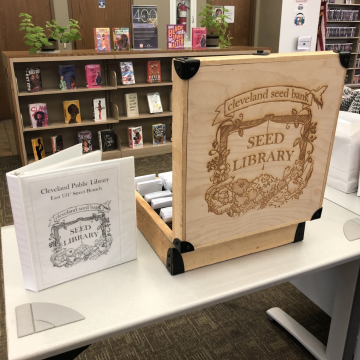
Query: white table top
point(142, 292)
point(348, 201)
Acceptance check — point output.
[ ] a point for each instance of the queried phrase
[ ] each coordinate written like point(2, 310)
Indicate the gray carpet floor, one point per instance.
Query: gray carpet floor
point(237, 329)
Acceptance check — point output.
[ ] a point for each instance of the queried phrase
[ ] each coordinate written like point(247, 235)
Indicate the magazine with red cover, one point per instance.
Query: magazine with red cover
point(199, 38)
point(93, 76)
point(153, 71)
point(102, 39)
point(175, 36)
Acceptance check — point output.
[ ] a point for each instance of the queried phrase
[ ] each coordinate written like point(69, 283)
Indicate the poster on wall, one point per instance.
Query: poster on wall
point(145, 27)
point(217, 10)
point(230, 14)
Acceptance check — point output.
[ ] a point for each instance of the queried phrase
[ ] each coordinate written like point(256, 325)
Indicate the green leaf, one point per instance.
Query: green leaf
point(38, 45)
point(44, 40)
point(77, 37)
point(48, 43)
point(28, 42)
point(74, 31)
point(33, 50)
point(22, 28)
point(28, 29)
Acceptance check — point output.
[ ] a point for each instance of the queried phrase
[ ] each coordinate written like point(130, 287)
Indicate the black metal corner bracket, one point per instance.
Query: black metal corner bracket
point(183, 246)
point(261, 53)
point(344, 58)
point(299, 234)
point(317, 214)
point(186, 68)
point(174, 262)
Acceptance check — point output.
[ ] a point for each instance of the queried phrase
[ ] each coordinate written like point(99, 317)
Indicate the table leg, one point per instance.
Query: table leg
point(69, 355)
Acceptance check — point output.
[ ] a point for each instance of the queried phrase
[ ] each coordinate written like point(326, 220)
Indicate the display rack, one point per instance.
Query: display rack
point(352, 70)
point(112, 89)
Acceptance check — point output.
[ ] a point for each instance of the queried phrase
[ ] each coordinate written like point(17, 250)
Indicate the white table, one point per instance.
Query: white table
point(142, 292)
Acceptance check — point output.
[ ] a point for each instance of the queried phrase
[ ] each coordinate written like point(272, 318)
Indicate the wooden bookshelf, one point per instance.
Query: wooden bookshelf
point(112, 90)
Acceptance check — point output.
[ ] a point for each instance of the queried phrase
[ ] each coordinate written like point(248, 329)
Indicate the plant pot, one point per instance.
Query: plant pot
point(49, 48)
point(212, 41)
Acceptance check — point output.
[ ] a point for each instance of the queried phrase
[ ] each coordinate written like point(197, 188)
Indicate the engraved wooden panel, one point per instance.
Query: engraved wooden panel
point(258, 143)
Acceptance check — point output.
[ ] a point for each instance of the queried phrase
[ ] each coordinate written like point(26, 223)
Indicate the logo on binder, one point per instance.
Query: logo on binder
point(276, 166)
point(84, 238)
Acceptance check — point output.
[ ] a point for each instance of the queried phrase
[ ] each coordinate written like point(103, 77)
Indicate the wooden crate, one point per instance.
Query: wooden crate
point(252, 140)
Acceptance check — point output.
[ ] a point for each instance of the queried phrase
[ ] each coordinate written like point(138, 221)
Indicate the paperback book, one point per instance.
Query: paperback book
point(145, 27)
point(67, 77)
point(127, 73)
point(57, 143)
point(107, 140)
point(132, 107)
point(158, 134)
point(38, 148)
point(121, 39)
point(38, 115)
point(199, 38)
point(102, 39)
point(135, 137)
point(154, 103)
point(85, 138)
point(72, 111)
point(99, 109)
point(74, 215)
point(153, 71)
point(175, 36)
point(93, 76)
point(33, 79)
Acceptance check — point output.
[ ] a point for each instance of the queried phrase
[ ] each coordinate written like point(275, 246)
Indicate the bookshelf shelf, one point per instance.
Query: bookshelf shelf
point(146, 116)
point(343, 21)
point(147, 150)
point(142, 85)
point(58, 91)
point(341, 38)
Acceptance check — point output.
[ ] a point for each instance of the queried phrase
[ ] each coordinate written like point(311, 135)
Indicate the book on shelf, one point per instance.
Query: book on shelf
point(199, 38)
point(121, 39)
point(99, 109)
point(74, 215)
point(38, 148)
point(93, 75)
point(132, 107)
point(158, 134)
point(33, 79)
point(102, 39)
point(57, 143)
point(72, 111)
point(175, 37)
point(154, 103)
point(67, 77)
point(153, 71)
point(38, 115)
point(145, 27)
point(107, 140)
point(85, 138)
point(135, 137)
point(127, 73)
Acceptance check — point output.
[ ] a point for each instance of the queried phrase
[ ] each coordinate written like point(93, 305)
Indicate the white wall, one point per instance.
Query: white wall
point(289, 33)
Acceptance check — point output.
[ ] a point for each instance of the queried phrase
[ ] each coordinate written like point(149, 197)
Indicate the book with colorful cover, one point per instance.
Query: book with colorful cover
point(107, 140)
point(158, 134)
point(99, 109)
point(153, 71)
point(38, 115)
point(121, 39)
point(102, 39)
point(154, 103)
point(127, 73)
point(199, 38)
point(85, 138)
point(145, 27)
point(33, 79)
point(38, 148)
point(72, 111)
point(175, 36)
point(57, 143)
point(67, 77)
point(135, 137)
point(93, 75)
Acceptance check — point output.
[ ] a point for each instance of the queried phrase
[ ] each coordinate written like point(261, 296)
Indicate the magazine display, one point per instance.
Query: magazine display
point(102, 39)
point(85, 138)
point(154, 103)
point(121, 39)
point(135, 137)
point(57, 143)
point(74, 215)
point(33, 79)
point(107, 140)
point(145, 27)
point(38, 148)
point(175, 36)
point(93, 76)
point(99, 109)
point(38, 115)
point(72, 112)
point(153, 71)
point(67, 77)
point(199, 38)
point(132, 107)
point(158, 134)
point(127, 73)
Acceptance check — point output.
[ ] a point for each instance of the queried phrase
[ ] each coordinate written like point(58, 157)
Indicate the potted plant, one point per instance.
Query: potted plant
point(214, 20)
point(36, 38)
